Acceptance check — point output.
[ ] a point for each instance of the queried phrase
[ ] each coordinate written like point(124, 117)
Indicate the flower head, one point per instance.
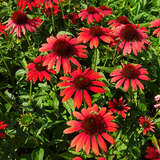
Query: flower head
point(25, 119)
point(79, 84)
point(72, 16)
point(91, 13)
point(48, 3)
point(62, 50)
point(23, 3)
point(152, 152)
point(52, 9)
point(105, 10)
point(93, 125)
point(130, 74)
point(118, 106)
point(2, 28)
point(93, 35)
point(131, 37)
point(156, 23)
point(122, 20)
point(20, 22)
point(77, 158)
point(2, 126)
point(38, 71)
point(147, 125)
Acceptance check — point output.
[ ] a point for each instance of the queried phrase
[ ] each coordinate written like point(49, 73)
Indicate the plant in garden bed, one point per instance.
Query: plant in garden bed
point(46, 85)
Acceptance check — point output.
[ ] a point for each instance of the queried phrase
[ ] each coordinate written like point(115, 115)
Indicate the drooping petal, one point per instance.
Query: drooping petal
point(87, 98)
point(96, 89)
point(102, 143)
point(94, 145)
point(77, 99)
point(87, 144)
point(71, 130)
point(68, 96)
point(119, 83)
point(108, 138)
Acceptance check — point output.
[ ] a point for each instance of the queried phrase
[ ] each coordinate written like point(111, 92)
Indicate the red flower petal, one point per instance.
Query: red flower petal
point(77, 99)
point(87, 98)
point(108, 138)
point(94, 145)
point(102, 143)
point(96, 89)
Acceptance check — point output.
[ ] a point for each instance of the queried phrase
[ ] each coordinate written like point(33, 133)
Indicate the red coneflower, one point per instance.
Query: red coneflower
point(152, 152)
point(156, 23)
point(2, 126)
point(131, 38)
point(147, 125)
point(72, 16)
point(62, 49)
point(38, 71)
point(105, 10)
point(23, 3)
point(20, 22)
point(93, 125)
point(52, 9)
point(48, 3)
point(93, 35)
point(130, 74)
point(80, 83)
point(79, 158)
point(122, 20)
point(91, 13)
point(118, 107)
point(2, 28)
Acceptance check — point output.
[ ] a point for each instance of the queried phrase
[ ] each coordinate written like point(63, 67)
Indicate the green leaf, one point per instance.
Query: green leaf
point(64, 32)
point(95, 59)
point(69, 106)
point(67, 155)
point(154, 139)
point(54, 101)
point(108, 69)
point(38, 154)
point(141, 106)
point(20, 74)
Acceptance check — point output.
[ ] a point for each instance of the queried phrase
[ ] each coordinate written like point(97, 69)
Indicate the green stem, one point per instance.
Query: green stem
point(53, 20)
point(95, 60)
point(114, 55)
point(130, 95)
point(29, 43)
point(53, 86)
point(30, 93)
point(69, 5)
point(157, 113)
point(61, 8)
point(5, 63)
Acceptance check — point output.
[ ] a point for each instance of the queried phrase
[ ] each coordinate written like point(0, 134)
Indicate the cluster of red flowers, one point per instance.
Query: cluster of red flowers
point(92, 13)
point(93, 122)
